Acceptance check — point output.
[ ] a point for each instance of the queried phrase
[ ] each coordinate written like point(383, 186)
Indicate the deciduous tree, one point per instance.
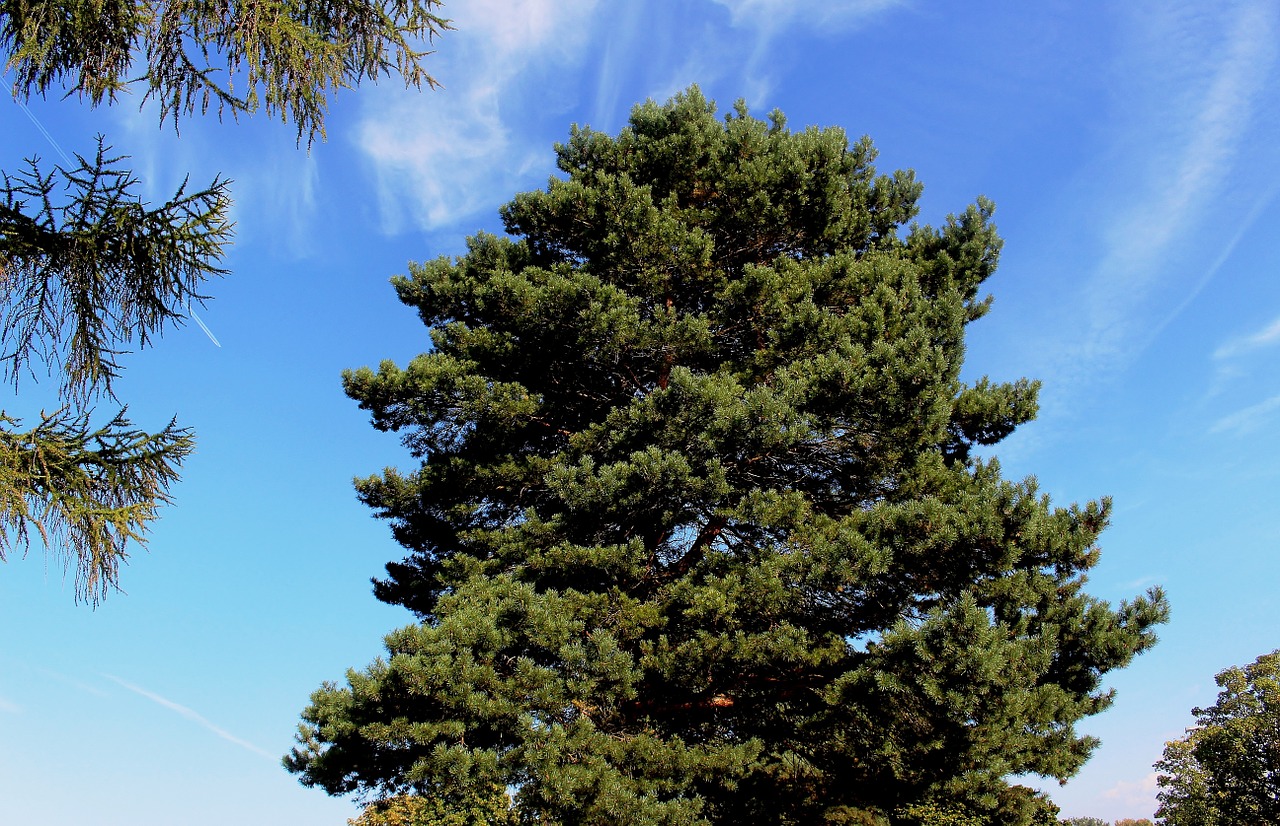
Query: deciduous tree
point(1226, 770)
point(702, 533)
point(490, 807)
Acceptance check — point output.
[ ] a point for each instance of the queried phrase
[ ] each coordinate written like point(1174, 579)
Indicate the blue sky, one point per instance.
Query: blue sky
point(1131, 151)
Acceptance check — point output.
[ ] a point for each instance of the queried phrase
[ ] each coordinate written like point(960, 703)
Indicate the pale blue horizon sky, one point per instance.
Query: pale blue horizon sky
point(1130, 149)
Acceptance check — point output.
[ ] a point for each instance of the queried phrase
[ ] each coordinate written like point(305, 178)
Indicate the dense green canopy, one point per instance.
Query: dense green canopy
point(1226, 770)
point(699, 534)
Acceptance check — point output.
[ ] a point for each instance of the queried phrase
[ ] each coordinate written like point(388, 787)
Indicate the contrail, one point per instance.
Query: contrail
point(200, 321)
point(192, 716)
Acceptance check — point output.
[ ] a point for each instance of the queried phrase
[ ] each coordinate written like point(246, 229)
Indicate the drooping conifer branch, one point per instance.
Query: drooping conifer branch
point(88, 269)
point(230, 55)
point(86, 492)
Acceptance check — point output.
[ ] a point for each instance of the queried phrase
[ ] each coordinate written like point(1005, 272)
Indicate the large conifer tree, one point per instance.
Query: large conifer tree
point(699, 535)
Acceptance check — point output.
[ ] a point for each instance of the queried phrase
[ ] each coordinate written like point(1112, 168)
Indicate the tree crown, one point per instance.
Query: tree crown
point(699, 535)
point(1226, 770)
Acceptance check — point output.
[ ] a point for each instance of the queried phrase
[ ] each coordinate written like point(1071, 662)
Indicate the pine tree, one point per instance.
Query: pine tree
point(88, 269)
point(700, 534)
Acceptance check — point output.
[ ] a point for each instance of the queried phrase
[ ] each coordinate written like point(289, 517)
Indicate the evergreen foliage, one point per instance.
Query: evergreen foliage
point(88, 492)
point(699, 535)
point(287, 57)
point(87, 268)
point(1226, 770)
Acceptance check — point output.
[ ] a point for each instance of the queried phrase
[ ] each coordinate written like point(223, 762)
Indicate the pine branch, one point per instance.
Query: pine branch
point(699, 547)
point(86, 492)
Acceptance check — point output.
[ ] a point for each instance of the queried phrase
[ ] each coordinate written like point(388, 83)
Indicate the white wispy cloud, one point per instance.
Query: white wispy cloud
point(769, 18)
point(274, 177)
point(775, 14)
point(441, 163)
point(1179, 180)
point(1195, 139)
point(1136, 792)
point(191, 715)
point(1265, 337)
point(617, 63)
point(1235, 359)
point(1143, 582)
point(1247, 420)
point(440, 156)
point(1224, 255)
point(276, 197)
point(9, 707)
